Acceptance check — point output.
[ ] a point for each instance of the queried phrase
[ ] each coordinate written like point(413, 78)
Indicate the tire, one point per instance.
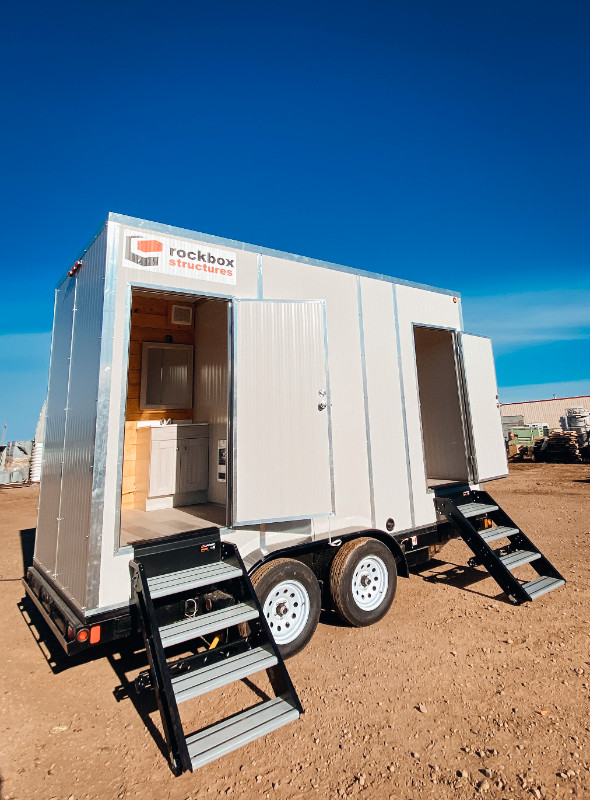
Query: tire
point(290, 597)
point(363, 580)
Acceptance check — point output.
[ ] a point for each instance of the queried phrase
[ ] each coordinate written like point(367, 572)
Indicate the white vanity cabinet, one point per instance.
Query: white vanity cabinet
point(172, 466)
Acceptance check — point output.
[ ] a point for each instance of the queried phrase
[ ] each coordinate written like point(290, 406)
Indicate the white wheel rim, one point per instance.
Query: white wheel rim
point(286, 610)
point(369, 583)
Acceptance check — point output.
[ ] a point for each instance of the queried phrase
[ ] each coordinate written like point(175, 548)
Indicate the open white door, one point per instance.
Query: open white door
point(482, 393)
point(281, 415)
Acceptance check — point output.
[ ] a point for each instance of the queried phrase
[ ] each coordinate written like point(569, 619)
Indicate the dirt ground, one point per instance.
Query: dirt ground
point(455, 694)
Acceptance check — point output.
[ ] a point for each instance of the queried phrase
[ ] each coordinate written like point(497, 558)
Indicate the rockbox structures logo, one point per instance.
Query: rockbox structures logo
point(177, 257)
point(136, 247)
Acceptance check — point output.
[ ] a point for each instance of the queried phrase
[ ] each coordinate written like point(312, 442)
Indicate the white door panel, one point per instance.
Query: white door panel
point(482, 392)
point(282, 464)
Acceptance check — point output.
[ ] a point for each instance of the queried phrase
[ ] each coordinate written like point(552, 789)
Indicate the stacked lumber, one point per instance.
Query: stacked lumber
point(562, 446)
point(540, 450)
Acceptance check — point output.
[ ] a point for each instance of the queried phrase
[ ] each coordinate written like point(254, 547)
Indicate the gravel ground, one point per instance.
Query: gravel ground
point(455, 694)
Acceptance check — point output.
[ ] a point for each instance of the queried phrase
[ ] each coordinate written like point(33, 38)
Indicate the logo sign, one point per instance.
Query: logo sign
point(179, 257)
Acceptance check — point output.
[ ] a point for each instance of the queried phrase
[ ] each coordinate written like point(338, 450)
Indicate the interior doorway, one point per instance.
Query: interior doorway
point(175, 470)
point(442, 407)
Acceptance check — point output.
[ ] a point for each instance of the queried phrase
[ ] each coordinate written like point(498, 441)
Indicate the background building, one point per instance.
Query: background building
point(548, 411)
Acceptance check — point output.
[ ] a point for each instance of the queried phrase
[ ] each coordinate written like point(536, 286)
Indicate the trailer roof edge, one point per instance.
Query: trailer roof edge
point(84, 249)
point(171, 230)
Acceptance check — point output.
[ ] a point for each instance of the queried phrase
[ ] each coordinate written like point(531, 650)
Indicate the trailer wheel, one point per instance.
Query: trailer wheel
point(290, 597)
point(363, 580)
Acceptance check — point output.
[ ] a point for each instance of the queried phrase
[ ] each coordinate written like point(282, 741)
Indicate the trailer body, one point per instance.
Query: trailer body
point(287, 403)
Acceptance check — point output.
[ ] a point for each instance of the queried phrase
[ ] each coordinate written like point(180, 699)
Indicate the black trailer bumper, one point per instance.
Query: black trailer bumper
point(76, 633)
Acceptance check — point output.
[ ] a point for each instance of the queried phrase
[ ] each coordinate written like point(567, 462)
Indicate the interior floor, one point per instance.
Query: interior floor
point(434, 483)
point(140, 526)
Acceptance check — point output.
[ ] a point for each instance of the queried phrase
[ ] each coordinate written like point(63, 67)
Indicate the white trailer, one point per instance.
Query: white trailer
point(319, 426)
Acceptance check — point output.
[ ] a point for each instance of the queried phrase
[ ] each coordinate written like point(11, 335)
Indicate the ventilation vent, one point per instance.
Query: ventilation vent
point(182, 315)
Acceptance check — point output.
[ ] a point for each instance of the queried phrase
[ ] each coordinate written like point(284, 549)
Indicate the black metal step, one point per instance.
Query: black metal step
point(458, 510)
point(501, 532)
point(230, 734)
point(475, 509)
point(519, 557)
point(542, 585)
point(194, 578)
point(186, 629)
point(213, 676)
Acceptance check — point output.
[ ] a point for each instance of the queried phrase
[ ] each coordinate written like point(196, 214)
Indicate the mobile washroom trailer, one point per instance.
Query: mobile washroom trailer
point(244, 427)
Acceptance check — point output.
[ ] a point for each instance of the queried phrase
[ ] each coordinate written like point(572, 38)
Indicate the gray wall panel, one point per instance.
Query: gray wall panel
point(80, 429)
point(57, 396)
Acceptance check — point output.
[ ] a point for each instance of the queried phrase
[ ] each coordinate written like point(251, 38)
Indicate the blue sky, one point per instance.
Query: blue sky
point(446, 143)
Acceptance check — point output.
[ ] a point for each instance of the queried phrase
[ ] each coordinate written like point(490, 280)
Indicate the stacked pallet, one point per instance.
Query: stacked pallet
point(562, 446)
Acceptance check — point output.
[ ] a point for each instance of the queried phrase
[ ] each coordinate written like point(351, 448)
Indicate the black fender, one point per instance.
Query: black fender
point(388, 540)
point(320, 554)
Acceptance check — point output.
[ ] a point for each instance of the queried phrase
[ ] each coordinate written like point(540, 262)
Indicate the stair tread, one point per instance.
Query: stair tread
point(519, 557)
point(186, 629)
point(474, 509)
point(213, 676)
point(230, 734)
point(193, 578)
point(542, 585)
point(501, 532)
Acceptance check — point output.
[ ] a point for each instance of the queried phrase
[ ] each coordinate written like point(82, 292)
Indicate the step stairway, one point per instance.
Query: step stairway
point(171, 576)
point(465, 512)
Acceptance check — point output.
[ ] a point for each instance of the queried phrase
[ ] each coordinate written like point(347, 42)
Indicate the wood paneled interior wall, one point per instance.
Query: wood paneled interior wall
point(150, 322)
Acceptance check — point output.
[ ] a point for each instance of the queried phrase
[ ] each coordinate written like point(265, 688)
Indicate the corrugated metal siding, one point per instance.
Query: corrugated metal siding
point(280, 372)
point(80, 428)
point(57, 398)
point(549, 411)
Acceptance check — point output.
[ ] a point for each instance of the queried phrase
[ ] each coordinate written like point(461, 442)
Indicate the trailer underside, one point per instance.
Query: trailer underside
point(65, 620)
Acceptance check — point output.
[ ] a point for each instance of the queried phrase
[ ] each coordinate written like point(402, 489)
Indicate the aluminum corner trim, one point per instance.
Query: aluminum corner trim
point(102, 419)
point(171, 230)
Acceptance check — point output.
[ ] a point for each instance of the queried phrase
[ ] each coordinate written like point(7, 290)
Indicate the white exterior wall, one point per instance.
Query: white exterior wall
point(284, 279)
point(386, 429)
point(373, 388)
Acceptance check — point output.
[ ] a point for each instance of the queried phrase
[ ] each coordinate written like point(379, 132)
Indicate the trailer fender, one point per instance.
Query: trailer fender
point(319, 554)
point(396, 549)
